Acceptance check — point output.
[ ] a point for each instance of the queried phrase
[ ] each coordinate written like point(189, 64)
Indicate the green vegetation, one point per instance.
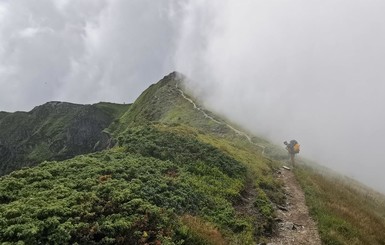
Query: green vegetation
point(346, 212)
point(162, 102)
point(152, 104)
point(112, 109)
point(153, 188)
point(164, 145)
point(161, 172)
point(173, 177)
point(54, 131)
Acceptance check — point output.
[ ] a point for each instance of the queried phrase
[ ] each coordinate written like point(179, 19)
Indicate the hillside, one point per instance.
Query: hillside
point(347, 212)
point(165, 102)
point(173, 173)
point(54, 131)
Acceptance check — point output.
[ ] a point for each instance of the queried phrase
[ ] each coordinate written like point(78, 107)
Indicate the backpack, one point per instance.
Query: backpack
point(296, 148)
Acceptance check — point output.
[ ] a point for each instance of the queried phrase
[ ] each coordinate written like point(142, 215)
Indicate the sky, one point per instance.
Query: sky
point(310, 70)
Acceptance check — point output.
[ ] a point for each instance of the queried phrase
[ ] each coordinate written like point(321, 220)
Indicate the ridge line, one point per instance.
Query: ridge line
point(216, 121)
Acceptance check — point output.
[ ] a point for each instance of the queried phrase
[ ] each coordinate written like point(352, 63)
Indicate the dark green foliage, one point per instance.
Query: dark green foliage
point(165, 145)
point(116, 197)
point(54, 131)
point(89, 201)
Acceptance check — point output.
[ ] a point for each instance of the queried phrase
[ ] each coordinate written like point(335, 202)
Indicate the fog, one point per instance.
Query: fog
point(82, 50)
point(306, 70)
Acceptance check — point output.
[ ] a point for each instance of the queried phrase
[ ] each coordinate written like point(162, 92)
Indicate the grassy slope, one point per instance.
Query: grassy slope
point(112, 109)
point(346, 212)
point(162, 102)
point(115, 111)
point(174, 177)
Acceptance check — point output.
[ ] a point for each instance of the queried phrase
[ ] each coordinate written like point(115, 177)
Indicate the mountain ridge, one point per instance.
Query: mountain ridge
point(54, 130)
point(161, 127)
point(170, 175)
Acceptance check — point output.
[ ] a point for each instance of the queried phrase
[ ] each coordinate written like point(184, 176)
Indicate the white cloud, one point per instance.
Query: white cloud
point(30, 32)
point(83, 51)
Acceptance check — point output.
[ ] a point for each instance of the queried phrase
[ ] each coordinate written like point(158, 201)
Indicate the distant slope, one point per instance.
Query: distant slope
point(55, 130)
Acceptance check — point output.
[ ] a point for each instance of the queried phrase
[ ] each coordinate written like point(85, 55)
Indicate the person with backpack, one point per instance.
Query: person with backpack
point(292, 148)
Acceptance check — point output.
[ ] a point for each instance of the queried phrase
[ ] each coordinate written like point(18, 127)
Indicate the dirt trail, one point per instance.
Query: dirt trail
point(295, 226)
point(214, 120)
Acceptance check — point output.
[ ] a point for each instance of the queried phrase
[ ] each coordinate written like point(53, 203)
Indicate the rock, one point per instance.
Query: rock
point(282, 208)
point(278, 220)
point(289, 226)
point(298, 226)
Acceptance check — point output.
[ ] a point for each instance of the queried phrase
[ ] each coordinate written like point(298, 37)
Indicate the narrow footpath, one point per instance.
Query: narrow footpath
point(295, 226)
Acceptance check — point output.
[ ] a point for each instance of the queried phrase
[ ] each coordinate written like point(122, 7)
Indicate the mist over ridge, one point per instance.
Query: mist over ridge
point(309, 71)
point(312, 71)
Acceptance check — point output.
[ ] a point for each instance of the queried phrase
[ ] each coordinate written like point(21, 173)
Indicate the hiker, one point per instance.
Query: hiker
point(292, 148)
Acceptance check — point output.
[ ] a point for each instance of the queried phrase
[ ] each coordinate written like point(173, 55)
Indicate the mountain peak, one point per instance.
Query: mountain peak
point(175, 75)
point(54, 106)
